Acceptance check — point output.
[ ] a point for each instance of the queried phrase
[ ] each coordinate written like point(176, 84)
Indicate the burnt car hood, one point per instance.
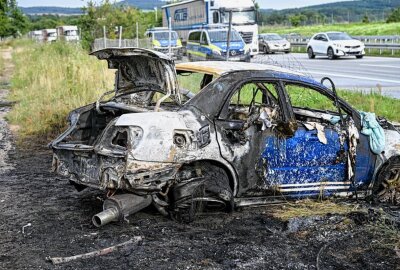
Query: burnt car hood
point(140, 70)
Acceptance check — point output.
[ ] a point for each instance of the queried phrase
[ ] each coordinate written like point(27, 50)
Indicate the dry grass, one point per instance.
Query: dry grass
point(50, 80)
point(2, 64)
point(310, 208)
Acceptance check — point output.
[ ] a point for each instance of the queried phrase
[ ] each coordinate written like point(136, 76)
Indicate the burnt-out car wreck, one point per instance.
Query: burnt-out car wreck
point(253, 133)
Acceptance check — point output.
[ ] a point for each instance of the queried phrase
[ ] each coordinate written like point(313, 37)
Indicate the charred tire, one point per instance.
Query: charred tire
point(310, 53)
point(386, 188)
point(207, 189)
point(331, 54)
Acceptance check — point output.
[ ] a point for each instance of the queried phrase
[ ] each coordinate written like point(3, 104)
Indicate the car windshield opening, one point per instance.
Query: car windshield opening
point(165, 35)
point(222, 36)
point(71, 33)
point(339, 36)
point(272, 37)
point(240, 17)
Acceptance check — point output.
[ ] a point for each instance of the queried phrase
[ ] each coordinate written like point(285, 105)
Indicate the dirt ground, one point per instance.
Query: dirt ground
point(42, 216)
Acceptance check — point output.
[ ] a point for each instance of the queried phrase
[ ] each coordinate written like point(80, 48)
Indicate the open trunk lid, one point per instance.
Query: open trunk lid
point(141, 71)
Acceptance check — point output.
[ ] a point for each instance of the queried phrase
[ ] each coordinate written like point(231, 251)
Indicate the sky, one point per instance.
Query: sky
point(281, 4)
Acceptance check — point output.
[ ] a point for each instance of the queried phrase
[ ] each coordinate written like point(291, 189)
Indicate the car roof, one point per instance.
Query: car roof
point(222, 67)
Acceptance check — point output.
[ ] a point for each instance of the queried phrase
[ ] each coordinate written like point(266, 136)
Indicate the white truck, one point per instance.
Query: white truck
point(36, 35)
point(68, 33)
point(194, 14)
point(49, 35)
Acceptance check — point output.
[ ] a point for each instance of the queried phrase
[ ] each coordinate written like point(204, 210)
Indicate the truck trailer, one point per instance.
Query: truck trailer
point(49, 35)
point(68, 33)
point(197, 14)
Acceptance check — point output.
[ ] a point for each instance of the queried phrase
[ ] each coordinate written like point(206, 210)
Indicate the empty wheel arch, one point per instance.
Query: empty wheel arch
point(386, 187)
point(201, 186)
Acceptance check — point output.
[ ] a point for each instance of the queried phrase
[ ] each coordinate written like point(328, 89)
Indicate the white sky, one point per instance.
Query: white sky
point(281, 4)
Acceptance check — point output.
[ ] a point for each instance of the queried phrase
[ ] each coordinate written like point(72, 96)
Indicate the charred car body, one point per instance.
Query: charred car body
point(250, 135)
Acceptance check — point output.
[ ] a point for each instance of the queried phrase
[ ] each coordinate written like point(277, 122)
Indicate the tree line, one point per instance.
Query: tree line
point(308, 16)
point(97, 17)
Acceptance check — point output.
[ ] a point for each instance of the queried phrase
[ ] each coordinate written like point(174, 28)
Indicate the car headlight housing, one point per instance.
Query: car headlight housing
point(136, 135)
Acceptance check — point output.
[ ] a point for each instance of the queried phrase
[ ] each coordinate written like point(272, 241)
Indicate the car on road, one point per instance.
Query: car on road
point(272, 42)
point(219, 135)
point(211, 44)
point(334, 45)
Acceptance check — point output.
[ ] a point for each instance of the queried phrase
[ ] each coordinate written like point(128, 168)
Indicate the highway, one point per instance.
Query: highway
point(347, 73)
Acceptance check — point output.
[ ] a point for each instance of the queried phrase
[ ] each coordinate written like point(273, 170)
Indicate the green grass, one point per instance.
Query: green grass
point(354, 29)
point(49, 80)
point(373, 102)
point(190, 81)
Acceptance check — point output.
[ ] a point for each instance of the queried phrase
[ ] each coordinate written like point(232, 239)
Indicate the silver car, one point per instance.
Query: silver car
point(271, 43)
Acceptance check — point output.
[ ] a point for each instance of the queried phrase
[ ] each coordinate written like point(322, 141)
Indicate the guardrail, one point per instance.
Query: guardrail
point(102, 43)
point(381, 43)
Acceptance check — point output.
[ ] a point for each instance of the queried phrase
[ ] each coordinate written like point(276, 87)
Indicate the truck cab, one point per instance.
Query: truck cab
point(244, 19)
point(49, 35)
point(68, 33)
point(190, 15)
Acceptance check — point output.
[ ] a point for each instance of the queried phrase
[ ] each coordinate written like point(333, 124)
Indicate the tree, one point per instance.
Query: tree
point(12, 21)
point(297, 20)
point(19, 22)
point(4, 21)
point(394, 16)
point(110, 16)
point(365, 19)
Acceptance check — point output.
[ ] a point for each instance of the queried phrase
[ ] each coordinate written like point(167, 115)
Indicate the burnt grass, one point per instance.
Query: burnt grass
point(251, 238)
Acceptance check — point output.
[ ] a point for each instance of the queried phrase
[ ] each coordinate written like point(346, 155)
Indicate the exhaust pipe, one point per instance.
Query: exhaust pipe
point(119, 206)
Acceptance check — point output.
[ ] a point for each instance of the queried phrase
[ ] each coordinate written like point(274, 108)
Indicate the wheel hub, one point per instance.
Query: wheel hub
point(390, 191)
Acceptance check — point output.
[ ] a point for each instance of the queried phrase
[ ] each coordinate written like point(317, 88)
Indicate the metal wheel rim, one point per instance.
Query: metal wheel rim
point(391, 187)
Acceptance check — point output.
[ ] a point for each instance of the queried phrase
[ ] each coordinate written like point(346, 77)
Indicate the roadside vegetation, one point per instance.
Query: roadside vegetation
point(50, 80)
point(1, 64)
point(354, 29)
